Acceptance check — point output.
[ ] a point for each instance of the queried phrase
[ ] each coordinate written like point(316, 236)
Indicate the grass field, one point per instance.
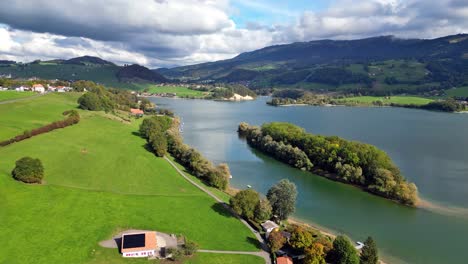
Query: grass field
point(178, 90)
point(28, 114)
point(207, 258)
point(100, 179)
point(393, 99)
point(458, 92)
point(11, 95)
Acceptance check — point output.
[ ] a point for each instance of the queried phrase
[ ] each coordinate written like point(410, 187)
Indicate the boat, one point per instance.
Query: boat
point(248, 186)
point(359, 245)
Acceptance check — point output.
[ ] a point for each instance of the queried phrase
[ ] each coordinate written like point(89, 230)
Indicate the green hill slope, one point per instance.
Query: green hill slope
point(99, 179)
point(85, 68)
point(373, 65)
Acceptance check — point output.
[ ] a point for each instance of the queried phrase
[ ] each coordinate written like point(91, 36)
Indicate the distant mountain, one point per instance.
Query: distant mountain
point(88, 60)
point(84, 68)
point(136, 72)
point(379, 64)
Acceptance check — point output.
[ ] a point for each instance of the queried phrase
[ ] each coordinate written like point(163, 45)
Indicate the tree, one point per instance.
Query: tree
point(90, 101)
point(263, 210)
point(245, 202)
point(276, 241)
point(314, 254)
point(158, 143)
point(343, 251)
point(369, 254)
point(301, 238)
point(282, 198)
point(28, 170)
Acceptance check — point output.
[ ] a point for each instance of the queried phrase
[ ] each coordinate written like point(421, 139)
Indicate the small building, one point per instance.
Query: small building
point(38, 88)
point(139, 245)
point(269, 226)
point(136, 112)
point(284, 260)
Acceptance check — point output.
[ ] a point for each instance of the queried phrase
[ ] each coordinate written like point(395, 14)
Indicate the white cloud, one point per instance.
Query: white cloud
point(177, 32)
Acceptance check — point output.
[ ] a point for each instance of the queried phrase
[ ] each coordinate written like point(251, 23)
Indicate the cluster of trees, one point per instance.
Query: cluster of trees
point(98, 98)
point(162, 135)
point(28, 170)
point(320, 249)
point(73, 117)
point(284, 152)
point(449, 105)
point(296, 96)
point(347, 161)
point(280, 202)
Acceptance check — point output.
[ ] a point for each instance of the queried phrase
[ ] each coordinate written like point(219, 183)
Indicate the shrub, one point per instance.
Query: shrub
point(28, 170)
point(190, 248)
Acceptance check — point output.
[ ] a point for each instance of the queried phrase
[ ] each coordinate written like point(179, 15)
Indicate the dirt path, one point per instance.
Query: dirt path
point(21, 99)
point(265, 251)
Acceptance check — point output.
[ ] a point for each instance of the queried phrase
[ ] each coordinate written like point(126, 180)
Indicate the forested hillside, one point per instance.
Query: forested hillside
point(379, 65)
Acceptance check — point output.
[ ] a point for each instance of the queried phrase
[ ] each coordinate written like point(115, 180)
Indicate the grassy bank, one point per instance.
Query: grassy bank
point(369, 100)
point(99, 179)
point(12, 95)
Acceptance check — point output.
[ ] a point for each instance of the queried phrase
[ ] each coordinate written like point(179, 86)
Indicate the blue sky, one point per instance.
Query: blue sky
point(273, 12)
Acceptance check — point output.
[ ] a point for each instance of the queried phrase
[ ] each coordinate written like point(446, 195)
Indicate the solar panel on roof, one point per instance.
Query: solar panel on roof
point(134, 241)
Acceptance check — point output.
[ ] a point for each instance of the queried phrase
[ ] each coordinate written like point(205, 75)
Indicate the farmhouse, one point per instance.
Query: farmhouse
point(137, 245)
point(38, 88)
point(136, 112)
point(269, 226)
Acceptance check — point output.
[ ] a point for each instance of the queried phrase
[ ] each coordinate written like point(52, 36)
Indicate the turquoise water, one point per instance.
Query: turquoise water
point(430, 148)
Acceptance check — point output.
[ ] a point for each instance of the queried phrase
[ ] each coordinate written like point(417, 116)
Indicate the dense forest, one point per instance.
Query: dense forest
point(351, 162)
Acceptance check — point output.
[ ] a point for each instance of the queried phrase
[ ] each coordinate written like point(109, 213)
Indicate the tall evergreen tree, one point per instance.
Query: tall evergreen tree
point(369, 254)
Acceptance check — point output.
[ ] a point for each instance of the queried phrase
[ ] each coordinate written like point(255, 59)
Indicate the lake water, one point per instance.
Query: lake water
point(430, 148)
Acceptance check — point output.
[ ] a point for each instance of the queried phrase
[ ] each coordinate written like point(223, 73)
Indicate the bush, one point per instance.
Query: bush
point(90, 101)
point(190, 248)
point(28, 170)
point(176, 253)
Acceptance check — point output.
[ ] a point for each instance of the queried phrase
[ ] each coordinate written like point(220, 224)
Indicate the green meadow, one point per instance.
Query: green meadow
point(35, 112)
point(385, 100)
point(458, 92)
point(99, 179)
point(178, 90)
point(11, 95)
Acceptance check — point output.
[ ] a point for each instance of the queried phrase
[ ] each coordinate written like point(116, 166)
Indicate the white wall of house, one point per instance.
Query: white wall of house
point(138, 254)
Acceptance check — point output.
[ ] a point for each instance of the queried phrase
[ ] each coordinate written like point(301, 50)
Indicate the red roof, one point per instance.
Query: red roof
point(284, 260)
point(136, 111)
point(150, 242)
point(38, 85)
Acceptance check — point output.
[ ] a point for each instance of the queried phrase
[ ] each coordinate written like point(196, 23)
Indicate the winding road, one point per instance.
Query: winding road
point(264, 253)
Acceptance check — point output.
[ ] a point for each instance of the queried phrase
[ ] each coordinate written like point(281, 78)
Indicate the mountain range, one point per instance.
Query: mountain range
point(378, 65)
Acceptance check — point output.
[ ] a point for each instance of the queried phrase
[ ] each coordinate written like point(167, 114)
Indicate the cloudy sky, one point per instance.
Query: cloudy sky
point(165, 33)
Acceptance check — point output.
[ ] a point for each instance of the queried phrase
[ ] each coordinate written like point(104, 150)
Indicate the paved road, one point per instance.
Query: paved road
point(21, 99)
point(265, 251)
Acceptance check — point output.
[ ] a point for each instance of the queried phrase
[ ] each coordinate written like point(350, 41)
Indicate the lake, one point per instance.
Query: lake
point(431, 149)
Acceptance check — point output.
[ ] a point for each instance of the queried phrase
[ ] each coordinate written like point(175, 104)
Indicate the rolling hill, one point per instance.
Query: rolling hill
point(84, 68)
point(372, 65)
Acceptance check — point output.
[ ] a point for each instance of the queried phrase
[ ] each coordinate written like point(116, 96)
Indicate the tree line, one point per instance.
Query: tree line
point(162, 135)
point(98, 98)
point(333, 157)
